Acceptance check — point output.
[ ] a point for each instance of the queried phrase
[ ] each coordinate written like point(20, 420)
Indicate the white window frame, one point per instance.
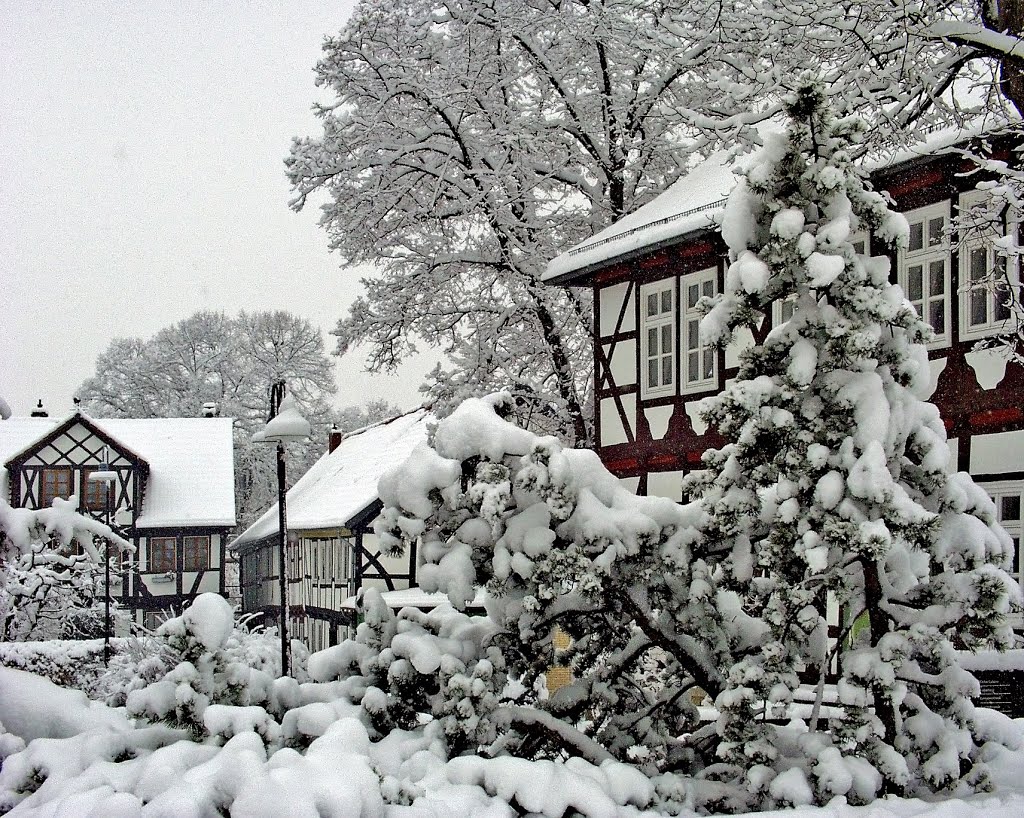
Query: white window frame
point(970, 243)
point(1008, 489)
point(658, 322)
point(690, 322)
point(926, 256)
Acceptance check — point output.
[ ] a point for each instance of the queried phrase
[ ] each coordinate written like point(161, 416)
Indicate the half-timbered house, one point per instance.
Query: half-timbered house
point(332, 551)
point(652, 369)
point(173, 495)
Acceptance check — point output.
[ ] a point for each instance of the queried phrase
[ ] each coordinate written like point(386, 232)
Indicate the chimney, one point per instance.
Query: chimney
point(39, 411)
point(210, 410)
point(334, 438)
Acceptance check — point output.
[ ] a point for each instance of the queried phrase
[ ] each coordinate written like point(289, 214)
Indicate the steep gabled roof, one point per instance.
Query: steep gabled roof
point(342, 486)
point(189, 461)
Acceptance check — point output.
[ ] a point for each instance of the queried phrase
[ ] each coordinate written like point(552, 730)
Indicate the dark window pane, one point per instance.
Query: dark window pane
point(652, 304)
point(937, 316)
point(1009, 508)
point(666, 301)
point(692, 367)
point(979, 307)
point(652, 372)
point(666, 370)
point(709, 363)
point(859, 247)
point(692, 334)
point(666, 339)
point(709, 287)
point(978, 263)
point(935, 230)
point(937, 278)
point(652, 342)
point(916, 236)
point(915, 282)
point(692, 294)
point(1002, 305)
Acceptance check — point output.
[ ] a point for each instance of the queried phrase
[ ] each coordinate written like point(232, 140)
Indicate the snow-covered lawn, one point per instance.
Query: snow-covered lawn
point(85, 759)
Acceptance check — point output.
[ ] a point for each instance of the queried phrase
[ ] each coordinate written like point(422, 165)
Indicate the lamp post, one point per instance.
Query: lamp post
point(105, 476)
point(286, 425)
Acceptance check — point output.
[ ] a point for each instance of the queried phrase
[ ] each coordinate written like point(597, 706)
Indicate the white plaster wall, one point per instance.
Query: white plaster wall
point(997, 453)
point(612, 431)
point(623, 363)
point(989, 366)
point(611, 305)
point(210, 581)
point(935, 368)
point(742, 339)
point(668, 484)
point(692, 408)
point(658, 418)
point(631, 483)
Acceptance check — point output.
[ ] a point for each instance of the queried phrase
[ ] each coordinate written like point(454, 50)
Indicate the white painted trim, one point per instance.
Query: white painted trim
point(690, 313)
point(924, 256)
point(970, 243)
point(659, 321)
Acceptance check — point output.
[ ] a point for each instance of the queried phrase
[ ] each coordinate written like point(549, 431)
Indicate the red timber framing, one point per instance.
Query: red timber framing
point(647, 436)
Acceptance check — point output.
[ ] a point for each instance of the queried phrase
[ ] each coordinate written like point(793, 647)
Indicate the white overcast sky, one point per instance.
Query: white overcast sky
point(141, 179)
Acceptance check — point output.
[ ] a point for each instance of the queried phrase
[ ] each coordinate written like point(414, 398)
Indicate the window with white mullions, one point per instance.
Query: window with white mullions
point(658, 329)
point(700, 363)
point(924, 268)
point(1009, 500)
point(985, 282)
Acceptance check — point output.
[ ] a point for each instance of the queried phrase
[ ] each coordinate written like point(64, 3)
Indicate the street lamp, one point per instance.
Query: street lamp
point(105, 476)
point(286, 425)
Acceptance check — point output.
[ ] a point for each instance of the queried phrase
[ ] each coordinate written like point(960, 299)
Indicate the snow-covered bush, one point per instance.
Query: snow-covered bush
point(51, 572)
point(203, 661)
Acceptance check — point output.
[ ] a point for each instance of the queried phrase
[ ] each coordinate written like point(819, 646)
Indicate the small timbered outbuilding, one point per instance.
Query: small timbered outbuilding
point(173, 495)
point(332, 551)
point(652, 369)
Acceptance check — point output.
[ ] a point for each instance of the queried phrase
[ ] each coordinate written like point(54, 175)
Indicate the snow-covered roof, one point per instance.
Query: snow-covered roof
point(693, 202)
point(696, 201)
point(343, 484)
point(191, 468)
point(416, 598)
point(191, 463)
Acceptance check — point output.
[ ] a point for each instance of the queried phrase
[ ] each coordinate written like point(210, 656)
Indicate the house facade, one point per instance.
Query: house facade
point(332, 551)
point(172, 496)
point(652, 369)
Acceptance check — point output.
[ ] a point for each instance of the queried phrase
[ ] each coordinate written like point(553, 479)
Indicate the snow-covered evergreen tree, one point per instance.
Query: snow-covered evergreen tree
point(836, 477)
